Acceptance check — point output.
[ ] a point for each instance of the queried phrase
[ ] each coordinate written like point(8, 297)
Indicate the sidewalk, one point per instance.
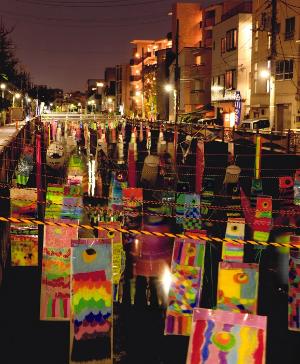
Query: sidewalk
point(8, 133)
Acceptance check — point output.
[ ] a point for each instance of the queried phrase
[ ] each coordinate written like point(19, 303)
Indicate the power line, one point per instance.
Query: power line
point(88, 5)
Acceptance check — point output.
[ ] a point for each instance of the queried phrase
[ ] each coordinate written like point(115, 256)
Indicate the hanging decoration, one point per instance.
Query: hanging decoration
point(262, 223)
point(237, 287)
point(232, 251)
point(186, 285)
point(55, 284)
point(200, 162)
point(25, 165)
point(226, 337)
point(24, 250)
point(118, 254)
point(132, 200)
point(297, 188)
point(91, 297)
point(294, 291)
point(192, 213)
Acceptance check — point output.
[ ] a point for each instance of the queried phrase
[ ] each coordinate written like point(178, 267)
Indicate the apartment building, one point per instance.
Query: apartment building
point(287, 64)
point(122, 89)
point(231, 63)
point(143, 82)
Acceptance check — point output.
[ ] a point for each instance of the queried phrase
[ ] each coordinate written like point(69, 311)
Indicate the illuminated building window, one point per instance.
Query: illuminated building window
point(231, 40)
point(289, 28)
point(198, 60)
point(284, 70)
point(223, 45)
point(230, 79)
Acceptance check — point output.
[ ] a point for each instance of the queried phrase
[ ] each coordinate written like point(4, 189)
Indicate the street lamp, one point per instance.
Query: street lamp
point(3, 87)
point(169, 88)
point(16, 96)
point(265, 74)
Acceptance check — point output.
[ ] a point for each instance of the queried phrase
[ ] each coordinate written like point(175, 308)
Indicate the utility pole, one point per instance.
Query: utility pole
point(177, 74)
point(274, 31)
point(143, 84)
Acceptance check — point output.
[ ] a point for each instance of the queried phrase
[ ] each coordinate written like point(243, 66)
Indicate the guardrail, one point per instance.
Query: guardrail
point(287, 141)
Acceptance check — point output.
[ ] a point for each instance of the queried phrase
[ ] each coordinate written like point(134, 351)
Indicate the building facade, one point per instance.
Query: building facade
point(123, 89)
point(286, 67)
point(143, 82)
point(231, 64)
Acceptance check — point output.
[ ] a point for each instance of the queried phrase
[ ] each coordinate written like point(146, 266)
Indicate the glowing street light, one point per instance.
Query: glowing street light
point(169, 88)
point(16, 96)
point(3, 87)
point(100, 84)
point(109, 100)
point(138, 93)
point(265, 74)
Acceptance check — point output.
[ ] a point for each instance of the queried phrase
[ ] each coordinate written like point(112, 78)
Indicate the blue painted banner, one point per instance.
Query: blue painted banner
point(237, 108)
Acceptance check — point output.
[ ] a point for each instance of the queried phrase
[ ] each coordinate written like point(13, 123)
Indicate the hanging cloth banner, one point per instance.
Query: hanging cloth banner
point(238, 287)
point(56, 270)
point(187, 274)
point(91, 297)
point(286, 192)
point(200, 161)
point(226, 337)
point(55, 285)
point(24, 250)
point(141, 136)
point(231, 251)
point(258, 157)
point(297, 188)
point(247, 209)
point(118, 253)
point(117, 184)
point(262, 224)
point(133, 206)
point(294, 291)
point(188, 211)
point(131, 166)
point(39, 168)
point(237, 108)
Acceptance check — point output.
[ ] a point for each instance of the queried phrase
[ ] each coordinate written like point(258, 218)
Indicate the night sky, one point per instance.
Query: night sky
point(62, 43)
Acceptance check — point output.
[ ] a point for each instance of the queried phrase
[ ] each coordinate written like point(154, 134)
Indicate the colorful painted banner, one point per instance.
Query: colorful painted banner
point(297, 187)
point(91, 300)
point(23, 202)
point(117, 184)
point(24, 250)
point(294, 291)
point(232, 251)
point(55, 286)
point(286, 192)
point(133, 204)
point(60, 236)
point(72, 203)
point(54, 201)
point(64, 202)
point(262, 223)
point(258, 157)
point(185, 290)
point(188, 211)
point(118, 253)
point(226, 337)
point(238, 287)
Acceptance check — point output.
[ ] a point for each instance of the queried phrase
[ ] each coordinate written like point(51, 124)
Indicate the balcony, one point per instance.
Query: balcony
point(209, 22)
point(245, 7)
point(135, 78)
point(289, 35)
point(135, 61)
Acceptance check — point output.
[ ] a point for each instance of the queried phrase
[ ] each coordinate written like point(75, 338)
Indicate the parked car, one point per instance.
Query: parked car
point(255, 124)
point(210, 122)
